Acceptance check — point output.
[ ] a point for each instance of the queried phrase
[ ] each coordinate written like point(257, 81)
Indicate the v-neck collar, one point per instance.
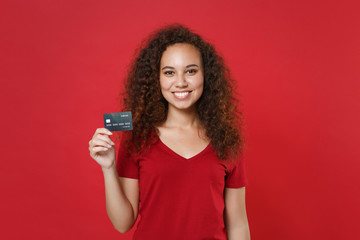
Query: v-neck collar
point(173, 153)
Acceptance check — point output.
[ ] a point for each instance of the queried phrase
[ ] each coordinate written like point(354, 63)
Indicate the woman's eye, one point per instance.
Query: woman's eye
point(169, 73)
point(191, 71)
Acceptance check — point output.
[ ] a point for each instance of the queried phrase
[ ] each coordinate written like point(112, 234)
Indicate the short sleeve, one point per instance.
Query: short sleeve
point(126, 164)
point(236, 176)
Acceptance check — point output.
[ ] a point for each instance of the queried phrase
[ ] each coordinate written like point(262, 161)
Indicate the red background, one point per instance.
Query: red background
point(297, 64)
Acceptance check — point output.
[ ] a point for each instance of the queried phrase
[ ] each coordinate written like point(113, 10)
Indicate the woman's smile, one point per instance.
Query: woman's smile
point(181, 95)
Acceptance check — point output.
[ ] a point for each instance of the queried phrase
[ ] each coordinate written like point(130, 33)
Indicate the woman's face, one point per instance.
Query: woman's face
point(181, 75)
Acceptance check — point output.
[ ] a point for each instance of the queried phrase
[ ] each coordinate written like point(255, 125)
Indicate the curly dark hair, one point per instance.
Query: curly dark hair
point(217, 108)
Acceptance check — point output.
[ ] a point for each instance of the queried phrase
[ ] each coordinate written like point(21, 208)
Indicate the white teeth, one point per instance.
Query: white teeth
point(182, 94)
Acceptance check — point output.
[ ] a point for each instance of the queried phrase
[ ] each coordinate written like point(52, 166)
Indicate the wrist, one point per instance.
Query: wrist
point(109, 170)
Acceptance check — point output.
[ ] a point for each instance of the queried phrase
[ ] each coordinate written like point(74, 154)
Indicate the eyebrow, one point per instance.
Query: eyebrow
point(190, 65)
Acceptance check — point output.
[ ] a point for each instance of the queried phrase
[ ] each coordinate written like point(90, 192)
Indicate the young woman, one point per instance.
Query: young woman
point(181, 166)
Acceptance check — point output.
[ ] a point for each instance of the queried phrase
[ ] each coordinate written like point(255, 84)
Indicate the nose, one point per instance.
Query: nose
point(181, 81)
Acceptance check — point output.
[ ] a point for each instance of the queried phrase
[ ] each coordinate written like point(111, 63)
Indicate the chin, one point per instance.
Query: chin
point(182, 107)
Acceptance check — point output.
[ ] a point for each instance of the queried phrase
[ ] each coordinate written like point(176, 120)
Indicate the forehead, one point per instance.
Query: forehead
point(180, 54)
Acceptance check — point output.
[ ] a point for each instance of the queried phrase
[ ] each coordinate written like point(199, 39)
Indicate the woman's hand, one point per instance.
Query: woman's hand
point(102, 149)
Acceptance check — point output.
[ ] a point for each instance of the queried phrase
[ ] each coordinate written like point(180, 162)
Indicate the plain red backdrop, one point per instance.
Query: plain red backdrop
point(297, 66)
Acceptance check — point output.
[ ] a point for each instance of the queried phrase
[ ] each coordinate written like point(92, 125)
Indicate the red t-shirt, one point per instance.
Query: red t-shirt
point(180, 198)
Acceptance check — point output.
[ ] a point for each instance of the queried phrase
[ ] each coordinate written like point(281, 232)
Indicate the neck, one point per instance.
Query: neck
point(182, 118)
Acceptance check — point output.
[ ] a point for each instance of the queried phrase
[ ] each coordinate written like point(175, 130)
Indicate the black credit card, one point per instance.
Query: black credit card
point(121, 121)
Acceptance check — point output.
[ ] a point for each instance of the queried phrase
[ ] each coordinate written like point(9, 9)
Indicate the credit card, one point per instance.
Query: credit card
point(121, 121)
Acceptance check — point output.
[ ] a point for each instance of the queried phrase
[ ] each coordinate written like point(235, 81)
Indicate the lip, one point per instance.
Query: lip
point(181, 91)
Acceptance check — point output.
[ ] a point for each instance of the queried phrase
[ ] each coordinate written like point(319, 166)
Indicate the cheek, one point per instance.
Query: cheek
point(199, 83)
point(201, 91)
point(164, 84)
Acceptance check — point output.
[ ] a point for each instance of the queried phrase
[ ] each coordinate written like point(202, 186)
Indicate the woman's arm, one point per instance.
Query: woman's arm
point(122, 197)
point(122, 194)
point(235, 218)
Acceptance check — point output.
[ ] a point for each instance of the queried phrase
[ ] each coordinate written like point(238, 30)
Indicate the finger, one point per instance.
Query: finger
point(102, 131)
point(106, 138)
point(99, 149)
point(100, 143)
